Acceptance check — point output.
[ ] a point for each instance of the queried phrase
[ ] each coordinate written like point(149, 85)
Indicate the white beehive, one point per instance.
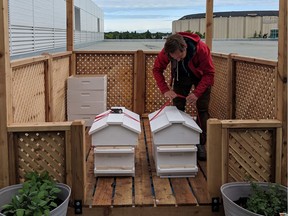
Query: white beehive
point(114, 135)
point(86, 97)
point(175, 137)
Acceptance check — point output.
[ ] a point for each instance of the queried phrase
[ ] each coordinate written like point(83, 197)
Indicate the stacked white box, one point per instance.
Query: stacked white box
point(114, 138)
point(86, 97)
point(175, 138)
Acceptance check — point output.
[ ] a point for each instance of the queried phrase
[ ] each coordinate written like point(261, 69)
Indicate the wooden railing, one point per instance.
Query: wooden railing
point(242, 150)
point(57, 147)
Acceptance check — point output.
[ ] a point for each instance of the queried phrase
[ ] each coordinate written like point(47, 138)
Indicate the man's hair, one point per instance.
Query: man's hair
point(173, 43)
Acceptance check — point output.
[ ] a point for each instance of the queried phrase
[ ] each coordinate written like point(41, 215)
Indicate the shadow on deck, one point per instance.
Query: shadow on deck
point(146, 193)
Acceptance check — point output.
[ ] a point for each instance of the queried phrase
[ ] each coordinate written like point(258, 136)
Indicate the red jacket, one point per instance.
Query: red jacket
point(200, 64)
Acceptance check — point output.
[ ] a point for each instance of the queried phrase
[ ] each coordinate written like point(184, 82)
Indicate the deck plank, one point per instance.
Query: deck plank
point(142, 184)
point(123, 192)
point(162, 188)
point(199, 186)
point(91, 180)
point(103, 192)
point(182, 192)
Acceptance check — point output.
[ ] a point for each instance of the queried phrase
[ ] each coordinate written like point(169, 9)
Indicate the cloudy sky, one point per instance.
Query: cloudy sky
point(152, 15)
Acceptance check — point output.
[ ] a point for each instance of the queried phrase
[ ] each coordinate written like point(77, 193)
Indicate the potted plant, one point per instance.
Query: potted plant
point(254, 199)
point(38, 195)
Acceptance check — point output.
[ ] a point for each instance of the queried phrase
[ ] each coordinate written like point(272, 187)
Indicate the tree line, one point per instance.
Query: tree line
point(135, 35)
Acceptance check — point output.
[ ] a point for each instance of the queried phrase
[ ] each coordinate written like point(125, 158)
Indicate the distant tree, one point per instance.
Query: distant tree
point(134, 35)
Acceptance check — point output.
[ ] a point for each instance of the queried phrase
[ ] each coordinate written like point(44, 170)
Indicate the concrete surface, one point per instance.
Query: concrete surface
point(265, 49)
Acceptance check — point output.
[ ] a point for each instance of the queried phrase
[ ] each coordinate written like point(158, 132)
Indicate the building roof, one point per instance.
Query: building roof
point(232, 14)
point(162, 119)
point(124, 118)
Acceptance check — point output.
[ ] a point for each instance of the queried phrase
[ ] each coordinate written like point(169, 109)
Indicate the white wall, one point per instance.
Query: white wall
point(37, 25)
point(230, 27)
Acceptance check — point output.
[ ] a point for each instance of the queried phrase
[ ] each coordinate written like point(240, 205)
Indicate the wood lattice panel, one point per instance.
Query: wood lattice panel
point(60, 72)
point(120, 75)
point(255, 91)
point(41, 151)
point(250, 155)
point(28, 93)
point(219, 96)
point(154, 98)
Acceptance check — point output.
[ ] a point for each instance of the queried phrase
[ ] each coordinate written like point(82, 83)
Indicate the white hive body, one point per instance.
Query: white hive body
point(86, 97)
point(114, 134)
point(175, 138)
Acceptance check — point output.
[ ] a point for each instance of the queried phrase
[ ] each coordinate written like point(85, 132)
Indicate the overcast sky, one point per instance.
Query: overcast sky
point(157, 15)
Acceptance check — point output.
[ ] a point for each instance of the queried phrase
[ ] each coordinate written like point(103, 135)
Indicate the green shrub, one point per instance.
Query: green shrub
point(267, 202)
point(37, 197)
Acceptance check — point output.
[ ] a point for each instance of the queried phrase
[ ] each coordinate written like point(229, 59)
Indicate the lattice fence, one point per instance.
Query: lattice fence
point(219, 95)
point(28, 93)
point(119, 68)
point(60, 73)
point(256, 91)
point(40, 151)
point(250, 155)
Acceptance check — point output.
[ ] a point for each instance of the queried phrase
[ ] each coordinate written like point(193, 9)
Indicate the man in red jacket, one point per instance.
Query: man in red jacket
point(191, 65)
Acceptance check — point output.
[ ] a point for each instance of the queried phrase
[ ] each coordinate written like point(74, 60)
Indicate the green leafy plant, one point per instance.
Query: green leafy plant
point(267, 202)
point(37, 197)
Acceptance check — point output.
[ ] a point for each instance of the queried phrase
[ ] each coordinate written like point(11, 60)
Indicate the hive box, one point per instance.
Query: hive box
point(114, 137)
point(175, 138)
point(86, 97)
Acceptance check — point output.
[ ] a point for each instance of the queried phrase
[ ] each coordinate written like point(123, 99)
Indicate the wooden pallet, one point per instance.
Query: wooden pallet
point(146, 188)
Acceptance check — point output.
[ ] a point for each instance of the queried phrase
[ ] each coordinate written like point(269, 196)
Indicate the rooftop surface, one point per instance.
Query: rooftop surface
point(265, 49)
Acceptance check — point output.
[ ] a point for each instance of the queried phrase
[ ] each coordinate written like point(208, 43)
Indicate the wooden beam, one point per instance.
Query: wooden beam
point(5, 94)
point(78, 160)
point(214, 155)
point(70, 24)
point(139, 83)
point(209, 23)
point(282, 79)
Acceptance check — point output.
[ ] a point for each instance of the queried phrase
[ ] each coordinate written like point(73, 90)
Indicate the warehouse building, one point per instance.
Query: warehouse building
point(232, 25)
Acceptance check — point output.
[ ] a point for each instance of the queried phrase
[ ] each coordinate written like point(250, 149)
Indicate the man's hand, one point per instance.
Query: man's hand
point(191, 99)
point(170, 94)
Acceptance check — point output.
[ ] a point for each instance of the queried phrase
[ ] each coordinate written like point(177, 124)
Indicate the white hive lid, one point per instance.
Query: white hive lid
point(125, 118)
point(171, 115)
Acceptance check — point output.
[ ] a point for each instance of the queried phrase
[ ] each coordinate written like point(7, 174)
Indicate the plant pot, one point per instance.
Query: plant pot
point(7, 193)
point(231, 192)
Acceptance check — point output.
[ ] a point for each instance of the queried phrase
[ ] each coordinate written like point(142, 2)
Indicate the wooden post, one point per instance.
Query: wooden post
point(139, 83)
point(78, 160)
point(209, 23)
point(214, 155)
point(282, 80)
point(231, 106)
point(48, 89)
point(5, 93)
point(70, 24)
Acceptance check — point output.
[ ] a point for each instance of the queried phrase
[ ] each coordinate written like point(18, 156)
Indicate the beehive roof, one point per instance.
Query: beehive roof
point(126, 118)
point(171, 115)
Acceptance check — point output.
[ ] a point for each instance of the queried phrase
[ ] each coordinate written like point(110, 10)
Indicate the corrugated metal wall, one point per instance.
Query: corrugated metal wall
point(230, 27)
point(39, 25)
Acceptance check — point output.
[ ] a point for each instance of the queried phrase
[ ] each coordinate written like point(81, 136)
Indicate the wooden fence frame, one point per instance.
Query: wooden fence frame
point(74, 146)
point(217, 149)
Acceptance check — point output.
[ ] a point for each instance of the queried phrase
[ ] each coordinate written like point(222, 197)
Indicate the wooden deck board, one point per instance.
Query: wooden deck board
point(182, 192)
point(162, 188)
point(103, 193)
point(143, 192)
point(146, 188)
point(123, 192)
